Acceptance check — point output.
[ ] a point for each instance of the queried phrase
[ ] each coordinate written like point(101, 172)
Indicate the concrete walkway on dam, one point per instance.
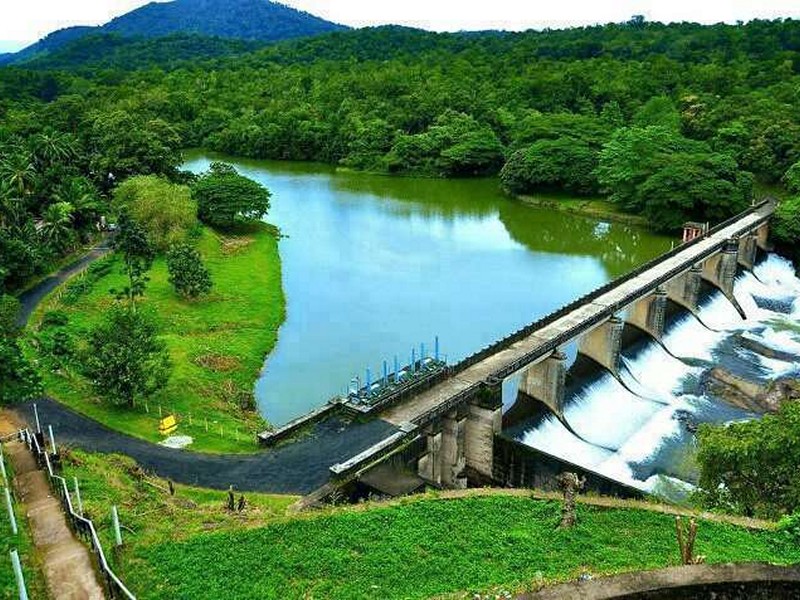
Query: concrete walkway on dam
point(585, 315)
point(298, 467)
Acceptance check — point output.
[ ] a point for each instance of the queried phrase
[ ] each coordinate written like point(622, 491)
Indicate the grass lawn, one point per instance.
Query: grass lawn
point(217, 344)
point(188, 547)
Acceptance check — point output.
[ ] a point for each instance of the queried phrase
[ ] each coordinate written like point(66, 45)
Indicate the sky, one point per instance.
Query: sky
point(22, 22)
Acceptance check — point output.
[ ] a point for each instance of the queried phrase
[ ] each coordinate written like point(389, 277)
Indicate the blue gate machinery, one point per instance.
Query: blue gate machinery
point(420, 366)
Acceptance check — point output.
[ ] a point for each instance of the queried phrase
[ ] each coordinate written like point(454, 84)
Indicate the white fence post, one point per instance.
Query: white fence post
point(36, 414)
point(78, 496)
point(23, 593)
point(11, 516)
point(117, 532)
point(3, 465)
point(52, 439)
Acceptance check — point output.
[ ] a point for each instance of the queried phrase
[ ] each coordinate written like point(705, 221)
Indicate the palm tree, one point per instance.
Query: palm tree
point(57, 225)
point(82, 195)
point(52, 147)
point(17, 170)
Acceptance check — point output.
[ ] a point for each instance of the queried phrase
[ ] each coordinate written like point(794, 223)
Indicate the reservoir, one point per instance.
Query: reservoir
point(373, 266)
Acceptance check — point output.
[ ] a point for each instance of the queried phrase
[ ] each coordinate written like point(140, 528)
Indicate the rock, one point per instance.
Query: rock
point(759, 348)
point(748, 395)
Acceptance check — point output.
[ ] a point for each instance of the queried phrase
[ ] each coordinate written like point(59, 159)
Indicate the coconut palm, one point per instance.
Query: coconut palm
point(82, 195)
point(17, 170)
point(57, 229)
point(52, 147)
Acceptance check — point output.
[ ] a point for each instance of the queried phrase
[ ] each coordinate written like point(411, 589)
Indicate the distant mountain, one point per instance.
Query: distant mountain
point(251, 20)
point(113, 51)
point(48, 44)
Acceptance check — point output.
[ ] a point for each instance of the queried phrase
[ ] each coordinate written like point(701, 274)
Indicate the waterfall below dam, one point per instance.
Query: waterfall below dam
point(638, 427)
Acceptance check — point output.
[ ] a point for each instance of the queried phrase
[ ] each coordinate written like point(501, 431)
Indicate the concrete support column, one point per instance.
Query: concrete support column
point(429, 466)
point(544, 381)
point(604, 344)
point(649, 314)
point(685, 288)
point(726, 267)
point(762, 236)
point(454, 429)
point(691, 287)
point(748, 249)
point(484, 421)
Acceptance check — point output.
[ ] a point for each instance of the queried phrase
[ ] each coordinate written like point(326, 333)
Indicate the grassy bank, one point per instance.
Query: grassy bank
point(217, 344)
point(189, 547)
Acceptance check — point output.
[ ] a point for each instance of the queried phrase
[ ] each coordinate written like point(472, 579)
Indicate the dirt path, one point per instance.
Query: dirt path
point(66, 563)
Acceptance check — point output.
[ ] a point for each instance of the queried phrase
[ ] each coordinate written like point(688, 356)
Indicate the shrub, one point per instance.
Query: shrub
point(9, 311)
point(187, 273)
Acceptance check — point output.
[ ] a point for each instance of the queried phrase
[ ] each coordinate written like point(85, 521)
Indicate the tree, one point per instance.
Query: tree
point(18, 379)
point(751, 467)
point(707, 187)
point(631, 156)
point(786, 225)
point(659, 111)
point(9, 312)
point(82, 195)
point(131, 144)
point(138, 255)
point(560, 164)
point(124, 359)
point(187, 273)
point(166, 210)
point(18, 171)
point(791, 179)
point(667, 178)
point(225, 198)
point(57, 227)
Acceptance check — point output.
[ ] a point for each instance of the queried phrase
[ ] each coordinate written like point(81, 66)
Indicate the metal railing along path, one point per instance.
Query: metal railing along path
point(81, 525)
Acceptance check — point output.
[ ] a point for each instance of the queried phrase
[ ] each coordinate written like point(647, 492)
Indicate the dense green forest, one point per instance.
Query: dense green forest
point(670, 121)
point(232, 20)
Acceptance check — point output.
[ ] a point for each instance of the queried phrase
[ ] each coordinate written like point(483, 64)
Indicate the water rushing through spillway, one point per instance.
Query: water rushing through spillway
point(638, 427)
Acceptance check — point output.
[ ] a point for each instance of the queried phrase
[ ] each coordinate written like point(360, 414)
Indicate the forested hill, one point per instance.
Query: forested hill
point(241, 19)
point(251, 20)
point(673, 122)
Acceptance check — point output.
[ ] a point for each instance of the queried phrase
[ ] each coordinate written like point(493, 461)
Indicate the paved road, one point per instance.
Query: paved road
point(292, 468)
point(31, 298)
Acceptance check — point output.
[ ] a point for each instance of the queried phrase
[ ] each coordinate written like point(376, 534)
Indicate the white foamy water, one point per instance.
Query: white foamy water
point(782, 341)
point(552, 437)
point(718, 313)
point(658, 373)
point(637, 422)
point(606, 414)
point(688, 338)
point(777, 274)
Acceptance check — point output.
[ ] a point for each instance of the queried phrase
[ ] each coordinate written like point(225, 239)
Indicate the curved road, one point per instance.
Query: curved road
point(31, 298)
point(291, 468)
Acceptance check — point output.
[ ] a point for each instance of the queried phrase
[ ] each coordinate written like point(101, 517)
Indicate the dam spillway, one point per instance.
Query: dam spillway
point(637, 426)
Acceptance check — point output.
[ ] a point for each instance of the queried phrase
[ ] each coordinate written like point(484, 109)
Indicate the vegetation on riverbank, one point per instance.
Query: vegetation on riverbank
point(190, 546)
point(217, 345)
point(598, 208)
